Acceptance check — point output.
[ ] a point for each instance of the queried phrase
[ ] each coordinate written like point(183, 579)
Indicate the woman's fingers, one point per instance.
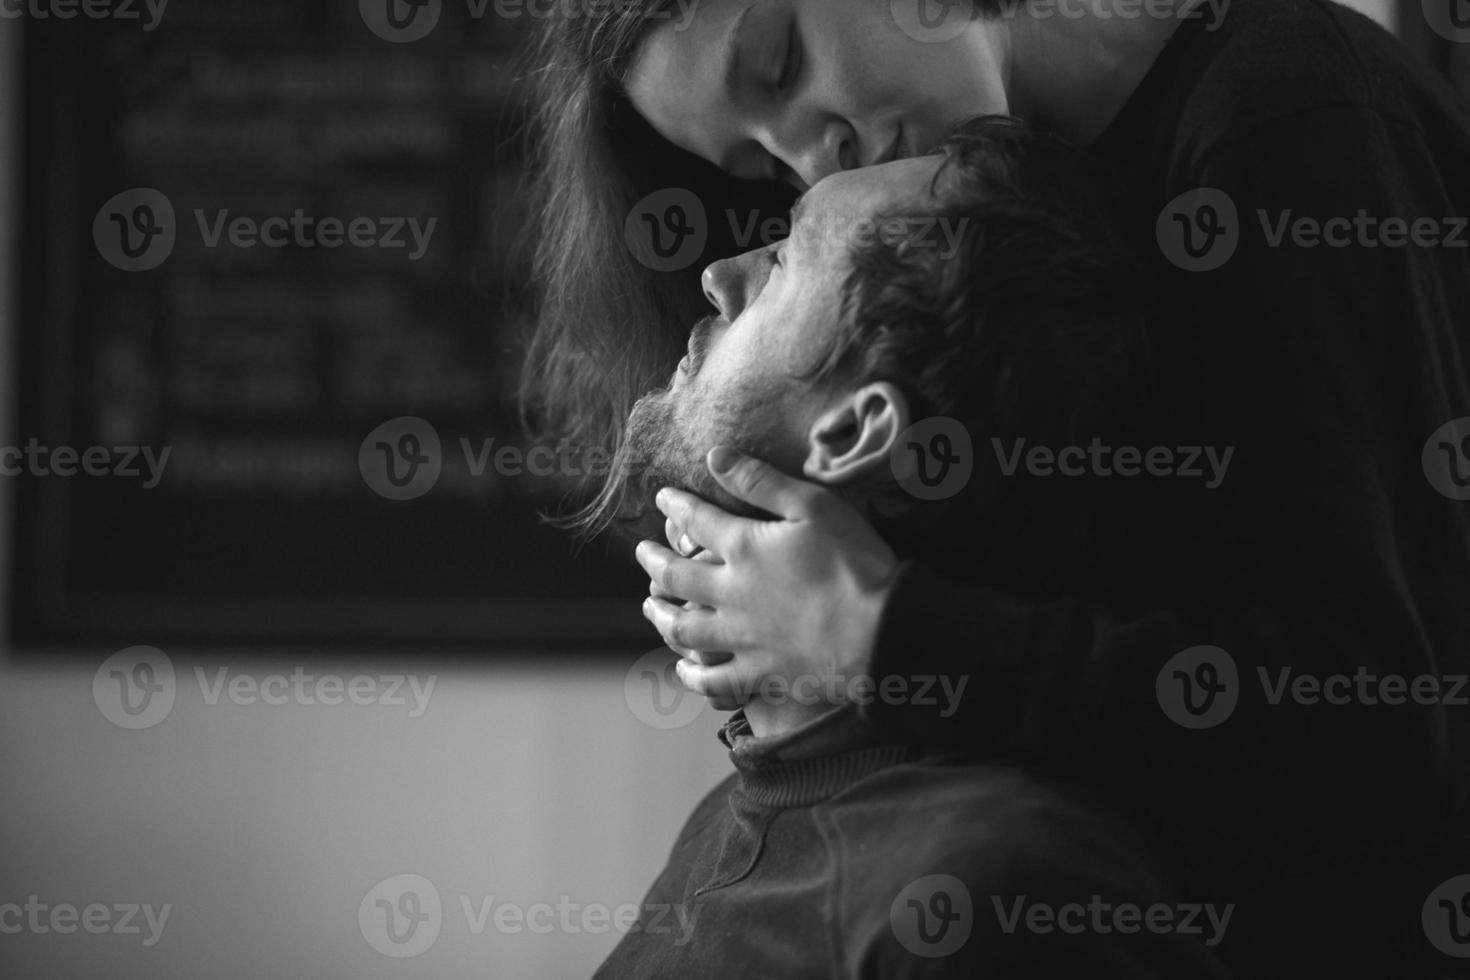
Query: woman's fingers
point(678, 540)
point(691, 630)
point(678, 577)
point(721, 684)
point(698, 521)
point(759, 483)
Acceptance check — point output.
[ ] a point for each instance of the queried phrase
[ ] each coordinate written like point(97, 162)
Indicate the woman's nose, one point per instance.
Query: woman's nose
point(812, 152)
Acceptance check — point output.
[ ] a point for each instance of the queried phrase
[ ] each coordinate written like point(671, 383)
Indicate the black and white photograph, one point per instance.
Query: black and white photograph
point(682, 489)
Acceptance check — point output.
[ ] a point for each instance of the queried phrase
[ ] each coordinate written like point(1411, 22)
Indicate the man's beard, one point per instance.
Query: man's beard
point(664, 444)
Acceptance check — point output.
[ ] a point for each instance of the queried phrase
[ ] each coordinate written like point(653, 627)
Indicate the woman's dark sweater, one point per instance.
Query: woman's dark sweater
point(1332, 547)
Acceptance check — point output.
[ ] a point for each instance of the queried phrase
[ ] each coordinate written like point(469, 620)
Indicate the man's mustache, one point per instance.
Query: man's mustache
point(699, 338)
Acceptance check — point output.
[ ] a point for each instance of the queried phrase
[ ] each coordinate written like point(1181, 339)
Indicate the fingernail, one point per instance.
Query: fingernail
point(722, 459)
point(661, 498)
point(686, 546)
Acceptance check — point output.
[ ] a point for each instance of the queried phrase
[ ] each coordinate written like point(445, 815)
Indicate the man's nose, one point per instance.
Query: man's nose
point(729, 284)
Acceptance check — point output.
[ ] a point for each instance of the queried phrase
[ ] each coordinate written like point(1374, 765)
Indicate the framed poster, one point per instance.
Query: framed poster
point(272, 288)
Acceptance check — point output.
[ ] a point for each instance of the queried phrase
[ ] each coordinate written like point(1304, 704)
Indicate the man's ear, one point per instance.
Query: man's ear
point(854, 436)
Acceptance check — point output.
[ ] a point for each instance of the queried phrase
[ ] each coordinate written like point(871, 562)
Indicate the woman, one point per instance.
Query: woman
point(1269, 155)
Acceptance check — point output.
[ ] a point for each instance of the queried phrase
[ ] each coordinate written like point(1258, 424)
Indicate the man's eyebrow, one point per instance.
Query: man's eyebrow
point(732, 55)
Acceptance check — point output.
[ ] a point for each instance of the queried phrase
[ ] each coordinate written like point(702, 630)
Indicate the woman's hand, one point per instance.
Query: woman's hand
point(796, 598)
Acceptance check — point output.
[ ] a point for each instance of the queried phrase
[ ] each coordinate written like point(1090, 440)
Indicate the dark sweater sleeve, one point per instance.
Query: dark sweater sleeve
point(1325, 551)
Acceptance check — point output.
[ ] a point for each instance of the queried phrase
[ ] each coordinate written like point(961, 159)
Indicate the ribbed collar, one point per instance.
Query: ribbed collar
point(811, 763)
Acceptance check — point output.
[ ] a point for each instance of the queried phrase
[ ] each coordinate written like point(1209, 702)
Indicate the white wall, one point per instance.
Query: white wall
point(264, 827)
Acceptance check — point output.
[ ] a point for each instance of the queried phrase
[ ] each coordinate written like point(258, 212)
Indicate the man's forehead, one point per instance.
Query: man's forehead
point(852, 198)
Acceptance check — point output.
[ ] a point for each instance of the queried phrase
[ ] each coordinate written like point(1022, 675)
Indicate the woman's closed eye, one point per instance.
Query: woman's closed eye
point(788, 62)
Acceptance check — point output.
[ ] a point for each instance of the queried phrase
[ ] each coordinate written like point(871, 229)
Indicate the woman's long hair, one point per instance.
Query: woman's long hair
point(607, 327)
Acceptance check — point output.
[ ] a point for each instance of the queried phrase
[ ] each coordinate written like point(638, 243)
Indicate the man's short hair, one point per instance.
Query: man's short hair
point(1012, 308)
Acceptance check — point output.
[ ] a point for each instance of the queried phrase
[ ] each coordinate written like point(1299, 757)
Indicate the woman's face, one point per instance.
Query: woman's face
point(799, 89)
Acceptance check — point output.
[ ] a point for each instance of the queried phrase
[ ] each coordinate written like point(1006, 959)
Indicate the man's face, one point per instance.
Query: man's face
point(778, 313)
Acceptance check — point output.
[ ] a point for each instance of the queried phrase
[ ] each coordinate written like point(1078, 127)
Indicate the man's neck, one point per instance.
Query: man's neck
point(1073, 74)
point(769, 718)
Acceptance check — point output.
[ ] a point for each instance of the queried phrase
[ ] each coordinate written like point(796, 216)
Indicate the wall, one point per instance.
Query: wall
point(264, 827)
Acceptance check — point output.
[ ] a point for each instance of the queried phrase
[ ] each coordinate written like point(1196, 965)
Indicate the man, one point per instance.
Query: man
point(982, 290)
